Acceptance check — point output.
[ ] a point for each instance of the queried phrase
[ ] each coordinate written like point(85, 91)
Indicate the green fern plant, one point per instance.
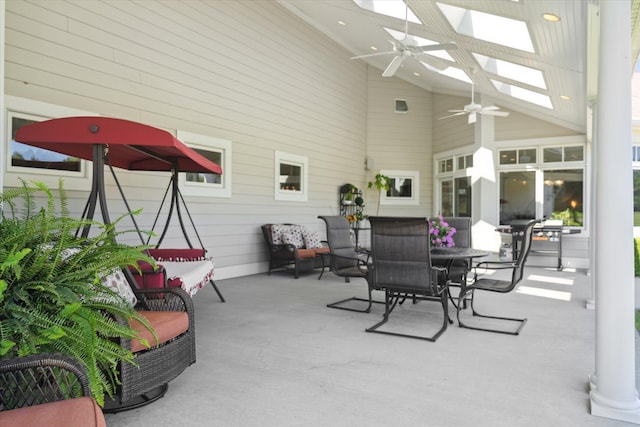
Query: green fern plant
point(51, 295)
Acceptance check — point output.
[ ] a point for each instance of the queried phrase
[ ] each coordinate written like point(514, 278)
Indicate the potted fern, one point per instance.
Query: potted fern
point(51, 294)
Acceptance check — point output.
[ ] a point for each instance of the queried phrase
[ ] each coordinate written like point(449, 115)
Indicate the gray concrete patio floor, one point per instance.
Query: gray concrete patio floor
point(275, 355)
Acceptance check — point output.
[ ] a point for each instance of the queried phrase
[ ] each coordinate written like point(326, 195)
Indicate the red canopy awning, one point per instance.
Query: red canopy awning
point(131, 145)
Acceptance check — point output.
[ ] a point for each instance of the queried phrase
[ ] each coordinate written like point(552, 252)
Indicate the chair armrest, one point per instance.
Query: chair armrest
point(165, 299)
point(41, 378)
point(496, 265)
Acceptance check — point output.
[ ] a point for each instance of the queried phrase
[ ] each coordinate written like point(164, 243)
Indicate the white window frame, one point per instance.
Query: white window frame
point(451, 175)
point(207, 189)
point(36, 110)
point(291, 159)
point(539, 167)
point(415, 188)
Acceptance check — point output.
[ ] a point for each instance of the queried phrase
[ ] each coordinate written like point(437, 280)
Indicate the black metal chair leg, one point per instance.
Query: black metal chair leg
point(215, 287)
point(371, 301)
point(389, 308)
point(521, 322)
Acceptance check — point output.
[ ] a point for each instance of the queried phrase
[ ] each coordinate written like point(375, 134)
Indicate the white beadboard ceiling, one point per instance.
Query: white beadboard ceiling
point(564, 51)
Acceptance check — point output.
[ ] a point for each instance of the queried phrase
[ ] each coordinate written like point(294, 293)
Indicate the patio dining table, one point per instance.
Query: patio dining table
point(455, 253)
point(449, 255)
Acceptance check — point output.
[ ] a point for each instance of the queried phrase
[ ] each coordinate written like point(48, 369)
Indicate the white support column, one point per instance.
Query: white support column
point(485, 186)
point(613, 389)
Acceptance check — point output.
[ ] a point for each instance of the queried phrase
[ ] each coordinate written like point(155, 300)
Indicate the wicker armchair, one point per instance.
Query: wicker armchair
point(50, 388)
point(170, 313)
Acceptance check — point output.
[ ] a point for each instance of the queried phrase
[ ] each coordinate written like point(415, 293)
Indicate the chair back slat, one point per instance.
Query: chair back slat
point(527, 236)
point(400, 254)
point(340, 243)
point(462, 236)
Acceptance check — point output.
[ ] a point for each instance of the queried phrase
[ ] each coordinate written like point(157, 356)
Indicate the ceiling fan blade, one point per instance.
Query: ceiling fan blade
point(371, 54)
point(393, 66)
point(494, 113)
point(453, 115)
point(490, 108)
point(457, 111)
point(441, 46)
point(472, 117)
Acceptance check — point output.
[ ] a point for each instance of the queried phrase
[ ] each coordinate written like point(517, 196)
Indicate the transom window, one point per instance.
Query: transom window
point(518, 156)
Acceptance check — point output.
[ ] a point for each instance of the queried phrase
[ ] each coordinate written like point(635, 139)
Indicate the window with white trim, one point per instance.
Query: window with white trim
point(36, 164)
point(552, 186)
point(207, 184)
point(404, 188)
point(454, 185)
point(291, 177)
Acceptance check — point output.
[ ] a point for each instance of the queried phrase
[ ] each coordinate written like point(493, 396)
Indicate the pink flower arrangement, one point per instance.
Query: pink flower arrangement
point(441, 233)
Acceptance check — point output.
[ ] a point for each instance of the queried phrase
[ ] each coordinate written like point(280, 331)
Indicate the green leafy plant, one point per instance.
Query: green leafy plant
point(51, 294)
point(636, 256)
point(381, 182)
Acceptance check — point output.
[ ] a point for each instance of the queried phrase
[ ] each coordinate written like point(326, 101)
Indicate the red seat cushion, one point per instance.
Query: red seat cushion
point(306, 253)
point(78, 412)
point(167, 324)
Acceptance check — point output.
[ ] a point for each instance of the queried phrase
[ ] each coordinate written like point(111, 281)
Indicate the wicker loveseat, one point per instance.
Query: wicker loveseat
point(293, 247)
point(46, 389)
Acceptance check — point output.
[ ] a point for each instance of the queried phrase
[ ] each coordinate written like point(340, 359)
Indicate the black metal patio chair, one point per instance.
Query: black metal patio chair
point(401, 268)
point(344, 260)
point(491, 284)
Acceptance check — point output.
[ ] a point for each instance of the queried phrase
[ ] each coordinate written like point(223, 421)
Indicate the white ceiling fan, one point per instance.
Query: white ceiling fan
point(473, 109)
point(408, 47)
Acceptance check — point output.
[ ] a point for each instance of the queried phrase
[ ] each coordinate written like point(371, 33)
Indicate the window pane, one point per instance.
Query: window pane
point(290, 177)
point(460, 163)
point(563, 192)
point(552, 155)
point(463, 196)
point(527, 156)
point(469, 160)
point(517, 196)
point(449, 165)
point(209, 178)
point(27, 156)
point(446, 195)
point(508, 157)
point(400, 187)
point(573, 154)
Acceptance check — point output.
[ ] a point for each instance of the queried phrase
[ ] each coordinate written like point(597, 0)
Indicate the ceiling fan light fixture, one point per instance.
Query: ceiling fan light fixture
point(551, 17)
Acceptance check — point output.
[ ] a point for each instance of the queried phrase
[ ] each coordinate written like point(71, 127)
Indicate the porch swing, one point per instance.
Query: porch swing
point(134, 146)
